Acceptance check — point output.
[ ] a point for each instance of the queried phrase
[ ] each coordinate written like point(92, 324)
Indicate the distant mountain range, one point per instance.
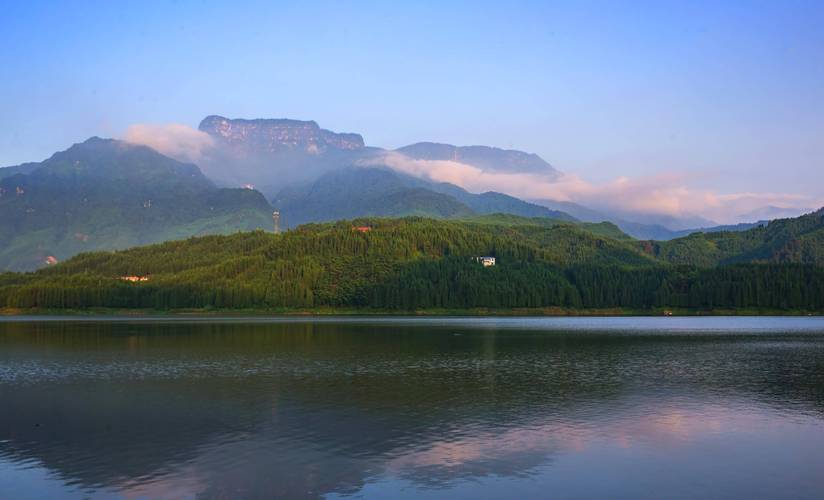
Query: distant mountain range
point(105, 194)
point(771, 212)
point(655, 228)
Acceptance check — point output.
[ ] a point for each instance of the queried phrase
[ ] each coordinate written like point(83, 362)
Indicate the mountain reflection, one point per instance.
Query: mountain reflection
point(306, 409)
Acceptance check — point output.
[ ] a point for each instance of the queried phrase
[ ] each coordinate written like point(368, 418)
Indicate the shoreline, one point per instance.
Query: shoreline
point(355, 312)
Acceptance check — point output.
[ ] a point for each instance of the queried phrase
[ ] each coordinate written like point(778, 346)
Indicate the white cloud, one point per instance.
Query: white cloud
point(172, 139)
point(663, 194)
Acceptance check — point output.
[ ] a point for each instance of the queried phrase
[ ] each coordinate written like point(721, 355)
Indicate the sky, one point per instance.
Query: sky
point(696, 100)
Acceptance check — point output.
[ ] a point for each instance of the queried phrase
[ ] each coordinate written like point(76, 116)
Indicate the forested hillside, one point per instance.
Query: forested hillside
point(405, 264)
point(795, 240)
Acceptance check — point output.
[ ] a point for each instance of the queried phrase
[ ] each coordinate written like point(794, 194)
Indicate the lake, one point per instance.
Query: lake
point(412, 408)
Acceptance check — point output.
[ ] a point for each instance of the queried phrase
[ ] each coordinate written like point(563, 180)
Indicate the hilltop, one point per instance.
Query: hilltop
point(793, 240)
point(408, 264)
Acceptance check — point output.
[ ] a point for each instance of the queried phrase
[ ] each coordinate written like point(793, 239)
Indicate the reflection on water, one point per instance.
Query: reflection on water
point(466, 408)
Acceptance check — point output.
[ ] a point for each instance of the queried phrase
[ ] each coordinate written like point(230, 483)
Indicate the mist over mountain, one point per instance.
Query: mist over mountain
point(106, 194)
point(772, 212)
point(312, 174)
point(484, 157)
point(378, 190)
point(272, 154)
point(109, 194)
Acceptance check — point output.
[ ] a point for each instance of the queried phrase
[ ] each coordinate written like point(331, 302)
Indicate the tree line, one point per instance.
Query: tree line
point(407, 264)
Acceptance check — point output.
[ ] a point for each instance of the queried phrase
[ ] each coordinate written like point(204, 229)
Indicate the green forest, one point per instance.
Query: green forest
point(417, 263)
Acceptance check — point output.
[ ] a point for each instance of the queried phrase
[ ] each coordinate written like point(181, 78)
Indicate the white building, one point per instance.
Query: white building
point(486, 261)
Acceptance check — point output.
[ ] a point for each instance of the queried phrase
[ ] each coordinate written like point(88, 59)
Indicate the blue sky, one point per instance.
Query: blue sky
point(730, 95)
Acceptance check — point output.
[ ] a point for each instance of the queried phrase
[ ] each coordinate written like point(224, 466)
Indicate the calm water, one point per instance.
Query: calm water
point(388, 408)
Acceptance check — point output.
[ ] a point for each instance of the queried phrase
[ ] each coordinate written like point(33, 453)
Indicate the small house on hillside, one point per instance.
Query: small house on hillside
point(486, 261)
point(134, 279)
point(362, 229)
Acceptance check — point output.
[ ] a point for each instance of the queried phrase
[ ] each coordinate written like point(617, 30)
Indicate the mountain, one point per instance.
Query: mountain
point(675, 223)
point(108, 194)
point(363, 191)
point(492, 202)
point(744, 226)
point(25, 168)
point(283, 158)
point(278, 135)
point(272, 154)
point(484, 157)
point(658, 232)
point(276, 154)
point(772, 212)
point(797, 240)
point(380, 191)
point(601, 229)
point(412, 263)
point(646, 231)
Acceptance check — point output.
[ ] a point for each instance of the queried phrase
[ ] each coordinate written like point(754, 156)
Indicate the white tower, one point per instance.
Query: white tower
point(276, 219)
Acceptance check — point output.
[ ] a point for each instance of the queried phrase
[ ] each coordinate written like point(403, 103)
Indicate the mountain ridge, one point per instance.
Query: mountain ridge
point(791, 240)
point(484, 157)
point(105, 194)
point(278, 133)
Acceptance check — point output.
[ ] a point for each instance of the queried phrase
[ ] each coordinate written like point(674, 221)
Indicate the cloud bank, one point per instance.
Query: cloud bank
point(178, 141)
point(668, 193)
point(662, 194)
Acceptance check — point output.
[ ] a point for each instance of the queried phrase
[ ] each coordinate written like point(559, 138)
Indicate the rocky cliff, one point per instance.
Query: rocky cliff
point(278, 135)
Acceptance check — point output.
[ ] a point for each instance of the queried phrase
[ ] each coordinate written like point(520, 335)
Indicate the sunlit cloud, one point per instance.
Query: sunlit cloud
point(181, 142)
point(667, 193)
